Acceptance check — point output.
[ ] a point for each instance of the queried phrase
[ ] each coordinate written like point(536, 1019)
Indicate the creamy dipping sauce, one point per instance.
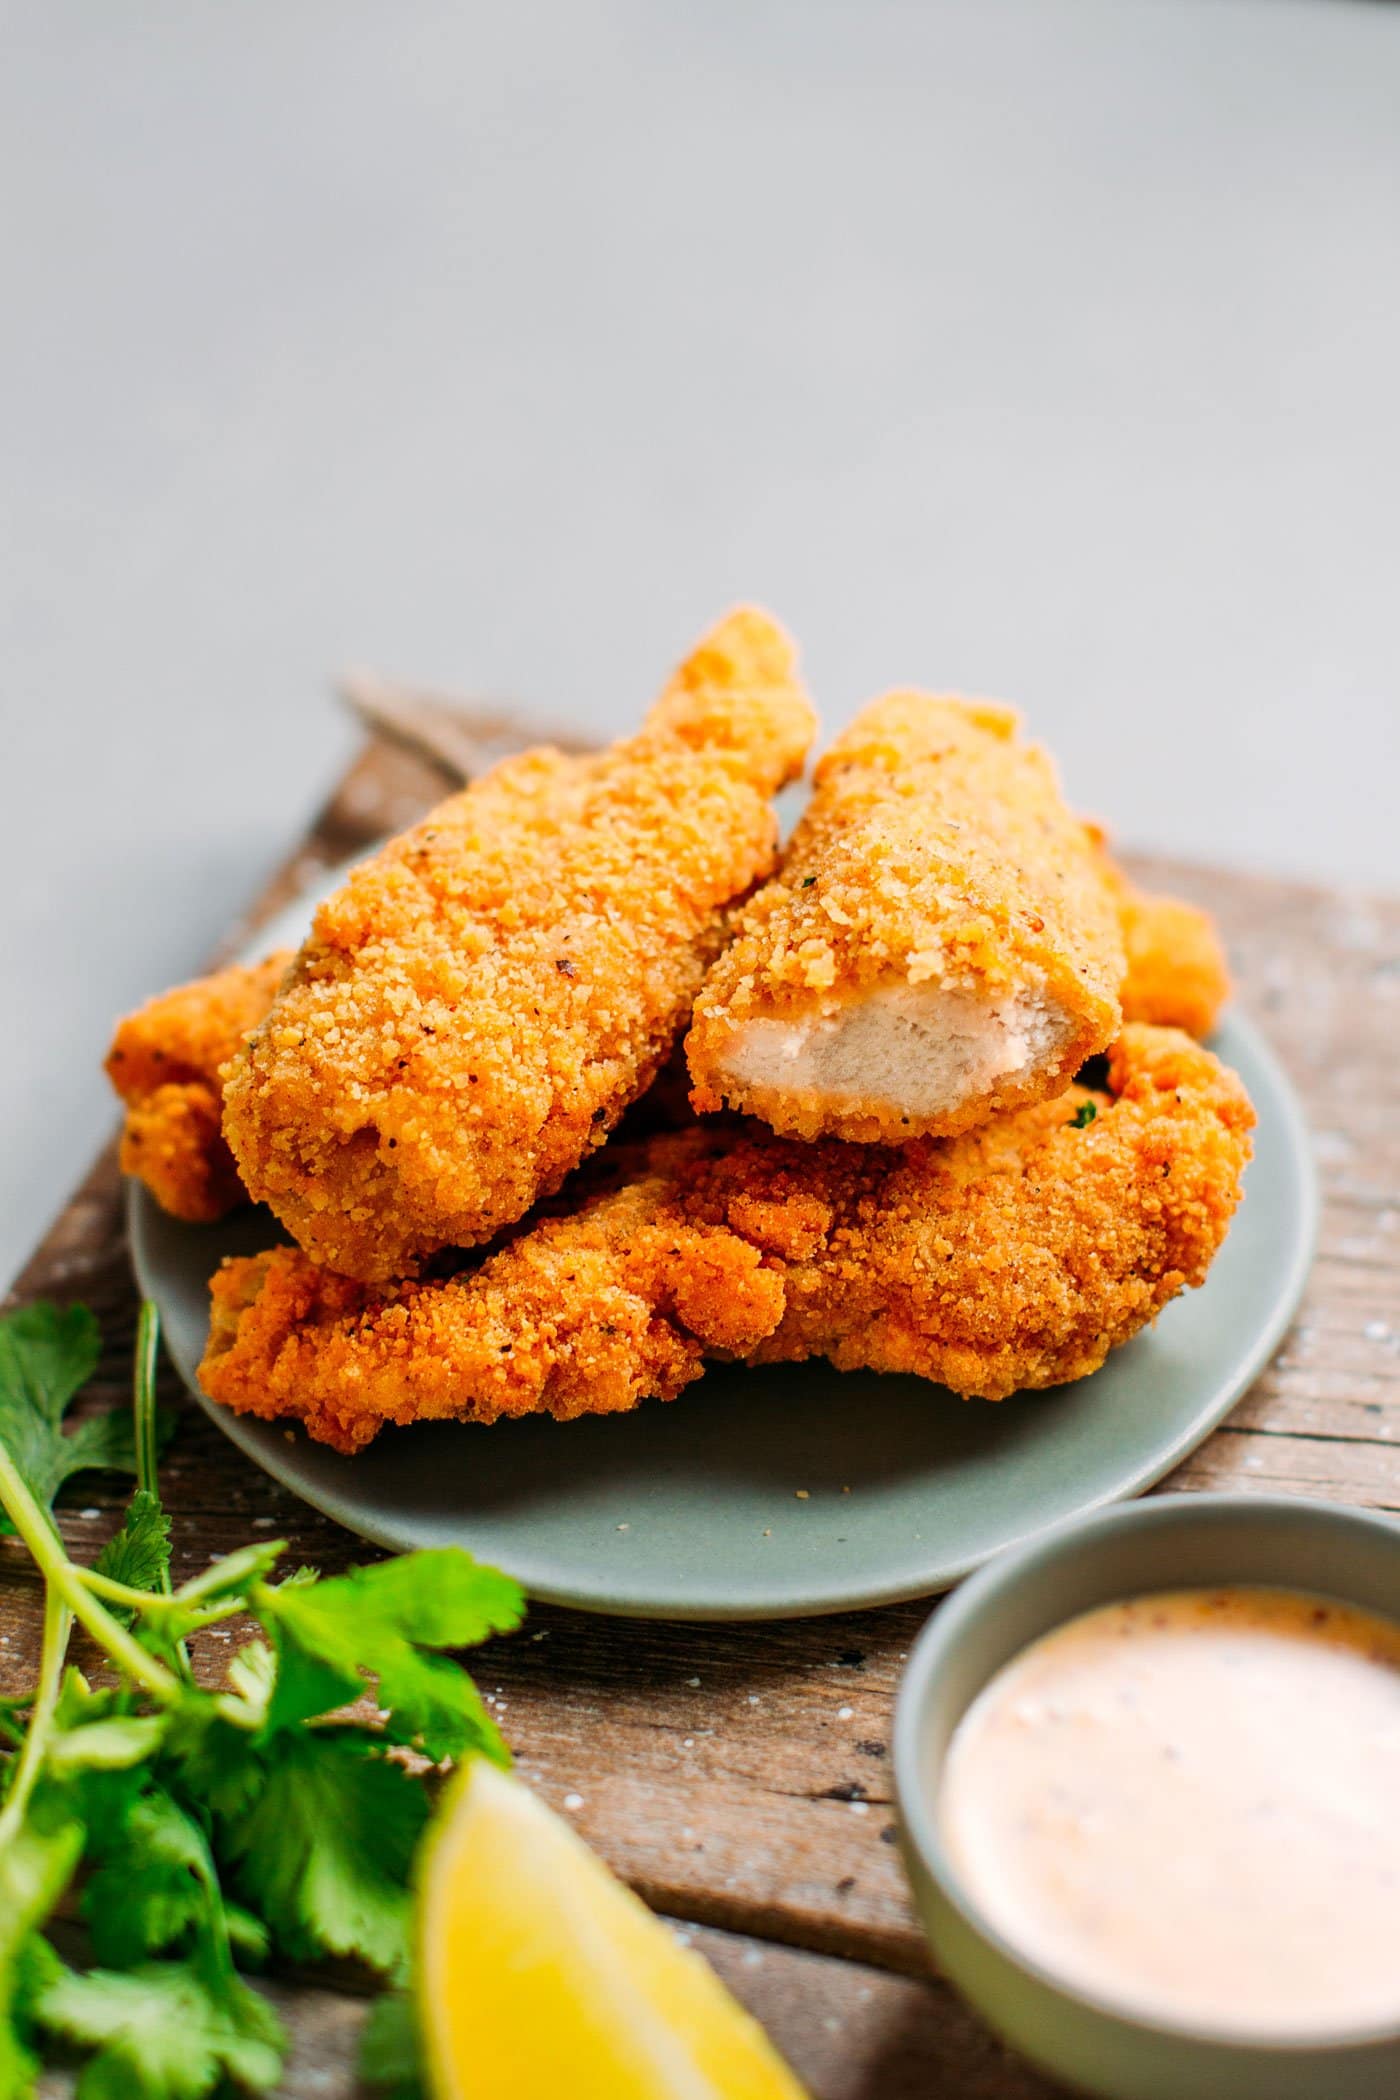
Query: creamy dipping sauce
point(1190, 1804)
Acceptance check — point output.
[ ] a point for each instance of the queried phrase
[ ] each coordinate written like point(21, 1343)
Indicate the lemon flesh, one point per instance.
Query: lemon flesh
point(541, 1976)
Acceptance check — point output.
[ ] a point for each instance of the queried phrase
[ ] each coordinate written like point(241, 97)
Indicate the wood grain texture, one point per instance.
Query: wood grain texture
point(850, 2032)
point(739, 1776)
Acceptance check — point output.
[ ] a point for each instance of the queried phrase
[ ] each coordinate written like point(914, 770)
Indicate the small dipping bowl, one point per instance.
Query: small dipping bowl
point(1174, 1542)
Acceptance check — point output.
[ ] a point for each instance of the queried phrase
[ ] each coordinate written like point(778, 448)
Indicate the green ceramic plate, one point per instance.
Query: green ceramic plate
point(691, 1510)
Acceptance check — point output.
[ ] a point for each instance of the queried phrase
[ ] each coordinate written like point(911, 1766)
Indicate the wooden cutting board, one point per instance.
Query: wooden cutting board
point(738, 1776)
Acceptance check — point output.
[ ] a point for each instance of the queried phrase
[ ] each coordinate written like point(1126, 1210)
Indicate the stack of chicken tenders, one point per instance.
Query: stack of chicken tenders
point(948, 1113)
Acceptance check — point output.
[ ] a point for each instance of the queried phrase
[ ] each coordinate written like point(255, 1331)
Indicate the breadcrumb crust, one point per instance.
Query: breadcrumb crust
point(481, 1001)
point(936, 848)
point(1016, 1255)
point(1177, 973)
point(1176, 978)
point(164, 1063)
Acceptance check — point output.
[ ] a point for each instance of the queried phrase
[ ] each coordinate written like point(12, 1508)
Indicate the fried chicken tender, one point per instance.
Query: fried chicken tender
point(1177, 973)
point(477, 1006)
point(939, 943)
point(164, 1063)
point(1012, 1256)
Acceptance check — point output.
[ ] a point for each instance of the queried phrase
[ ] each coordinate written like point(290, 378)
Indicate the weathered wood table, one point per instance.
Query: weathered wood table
point(738, 1776)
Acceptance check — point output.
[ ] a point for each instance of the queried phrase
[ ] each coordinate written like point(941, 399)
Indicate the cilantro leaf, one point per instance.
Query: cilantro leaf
point(324, 1851)
point(252, 1674)
point(390, 2051)
point(155, 1885)
point(1083, 1116)
point(164, 2031)
point(80, 1701)
point(112, 1743)
point(35, 1868)
point(381, 1621)
point(164, 1791)
point(247, 1936)
point(95, 1757)
point(47, 1354)
point(439, 1597)
point(212, 1761)
point(138, 1554)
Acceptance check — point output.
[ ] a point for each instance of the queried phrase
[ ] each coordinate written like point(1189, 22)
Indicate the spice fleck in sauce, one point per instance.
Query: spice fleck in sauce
point(1190, 1804)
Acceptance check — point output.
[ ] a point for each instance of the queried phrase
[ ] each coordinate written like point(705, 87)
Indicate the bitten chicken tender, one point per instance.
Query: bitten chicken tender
point(164, 1063)
point(477, 1006)
point(1014, 1255)
point(938, 945)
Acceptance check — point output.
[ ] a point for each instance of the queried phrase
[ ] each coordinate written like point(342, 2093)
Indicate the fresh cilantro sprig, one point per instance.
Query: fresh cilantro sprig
point(47, 1355)
point(205, 1825)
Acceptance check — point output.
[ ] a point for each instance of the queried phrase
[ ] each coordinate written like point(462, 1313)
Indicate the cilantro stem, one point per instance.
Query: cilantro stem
point(143, 1380)
point(155, 1606)
point(66, 1582)
point(248, 1560)
point(122, 1593)
point(215, 1614)
point(57, 1623)
point(145, 1363)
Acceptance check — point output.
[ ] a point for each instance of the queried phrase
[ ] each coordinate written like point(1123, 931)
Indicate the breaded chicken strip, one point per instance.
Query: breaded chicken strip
point(1177, 978)
point(938, 945)
point(164, 1063)
point(1177, 973)
point(477, 1006)
point(1014, 1255)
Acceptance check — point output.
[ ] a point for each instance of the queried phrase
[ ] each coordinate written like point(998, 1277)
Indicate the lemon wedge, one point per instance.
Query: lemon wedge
point(541, 1976)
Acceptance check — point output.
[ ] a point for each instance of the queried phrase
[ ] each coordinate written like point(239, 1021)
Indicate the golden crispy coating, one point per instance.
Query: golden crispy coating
point(939, 943)
point(1177, 973)
point(171, 1140)
point(164, 1063)
point(1014, 1255)
point(477, 1006)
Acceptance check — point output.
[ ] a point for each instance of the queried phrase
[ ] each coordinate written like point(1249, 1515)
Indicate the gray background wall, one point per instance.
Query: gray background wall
point(1047, 348)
